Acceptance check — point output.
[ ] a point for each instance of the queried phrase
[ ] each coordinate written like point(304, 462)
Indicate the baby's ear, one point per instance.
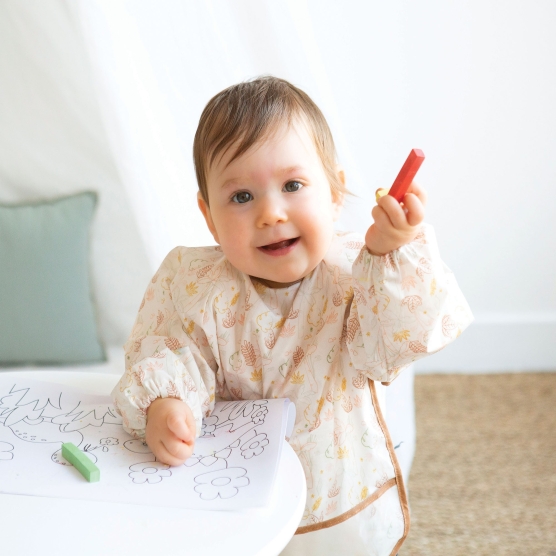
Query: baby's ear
point(338, 206)
point(205, 209)
point(338, 196)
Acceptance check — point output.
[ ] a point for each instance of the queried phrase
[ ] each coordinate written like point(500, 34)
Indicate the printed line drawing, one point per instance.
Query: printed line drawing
point(239, 421)
point(150, 472)
point(6, 451)
point(137, 446)
point(37, 418)
point(223, 483)
point(53, 420)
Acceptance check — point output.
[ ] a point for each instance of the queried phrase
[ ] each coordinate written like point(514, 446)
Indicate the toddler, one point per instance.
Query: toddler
point(285, 306)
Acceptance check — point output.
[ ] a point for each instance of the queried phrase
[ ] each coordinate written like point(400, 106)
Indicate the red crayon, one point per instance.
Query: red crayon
point(406, 174)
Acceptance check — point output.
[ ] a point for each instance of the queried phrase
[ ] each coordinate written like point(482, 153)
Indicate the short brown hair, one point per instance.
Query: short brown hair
point(247, 112)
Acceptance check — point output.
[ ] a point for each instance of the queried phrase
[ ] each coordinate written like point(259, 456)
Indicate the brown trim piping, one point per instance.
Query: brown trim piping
point(350, 513)
point(399, 479)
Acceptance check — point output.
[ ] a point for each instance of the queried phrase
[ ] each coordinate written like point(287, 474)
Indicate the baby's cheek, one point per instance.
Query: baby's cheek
point(237, 261)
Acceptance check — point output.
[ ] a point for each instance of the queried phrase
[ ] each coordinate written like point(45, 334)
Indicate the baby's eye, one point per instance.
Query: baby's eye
point(293, 186)
point(242, 197)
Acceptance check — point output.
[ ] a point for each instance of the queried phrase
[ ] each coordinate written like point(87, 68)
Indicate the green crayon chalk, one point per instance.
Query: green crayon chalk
point(81, 462)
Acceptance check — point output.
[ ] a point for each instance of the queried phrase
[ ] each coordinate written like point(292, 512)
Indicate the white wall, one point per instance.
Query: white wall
point(471, 83)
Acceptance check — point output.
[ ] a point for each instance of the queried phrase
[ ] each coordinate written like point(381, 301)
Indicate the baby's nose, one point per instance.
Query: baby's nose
point(271, 212)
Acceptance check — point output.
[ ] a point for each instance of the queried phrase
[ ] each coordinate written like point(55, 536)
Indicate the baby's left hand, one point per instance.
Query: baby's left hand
point(396, 224)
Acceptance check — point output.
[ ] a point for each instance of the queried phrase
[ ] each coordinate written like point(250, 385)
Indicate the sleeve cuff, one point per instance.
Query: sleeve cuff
point(164, 376)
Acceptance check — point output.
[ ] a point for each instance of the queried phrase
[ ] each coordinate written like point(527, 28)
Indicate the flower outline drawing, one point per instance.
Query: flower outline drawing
point(222, 483)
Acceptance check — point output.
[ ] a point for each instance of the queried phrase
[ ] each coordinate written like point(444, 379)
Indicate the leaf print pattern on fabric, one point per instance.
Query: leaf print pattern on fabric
point(159, 319)
point(202, 272)
point(189, 328)
point(298, 356)
point(412, 302)
point(237, 393)
point(293, 314)
point(401, 335)
point(334, 490)
point(423, 268)
point(360, 381)
point(247, 304)
point(332, 317)
point(343, 452)
point(388, 261)
point(287, 330)
point(433, 286)
point(359, 297)
point(137, 344)
point(316, 505)
point(172, 390)
point(270, 340)
point(248, 352)
point(417, 347)
point(139, 376)
point(205, 332)
point(409, 283)
point(352, 328)
point(230, 319)
point(191, 288)
point(331, 507)
point(354, 244)
point(172, 343)
point(420, 238)
point(448, 326)
point(346, 404)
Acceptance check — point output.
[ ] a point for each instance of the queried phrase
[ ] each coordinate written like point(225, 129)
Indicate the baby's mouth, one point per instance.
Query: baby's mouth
point(280, 245)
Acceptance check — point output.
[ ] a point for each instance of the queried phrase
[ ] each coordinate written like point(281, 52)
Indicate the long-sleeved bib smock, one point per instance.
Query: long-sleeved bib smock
point(207, 332)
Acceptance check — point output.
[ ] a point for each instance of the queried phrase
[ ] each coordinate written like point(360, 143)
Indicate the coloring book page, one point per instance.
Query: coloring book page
point(233, 466)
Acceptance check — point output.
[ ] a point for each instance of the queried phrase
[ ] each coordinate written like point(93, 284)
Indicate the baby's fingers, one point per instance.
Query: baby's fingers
point(381, 218)
point(173, 451)
point(177, 424)
point(415, 210)
point(419, 192)
point(393, 211)
point(179, 450)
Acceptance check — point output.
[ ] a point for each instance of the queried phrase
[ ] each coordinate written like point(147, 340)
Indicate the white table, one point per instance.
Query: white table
point(34, 525)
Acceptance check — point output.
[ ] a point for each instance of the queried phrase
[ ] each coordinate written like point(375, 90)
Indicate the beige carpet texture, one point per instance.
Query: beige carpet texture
point(483, 481)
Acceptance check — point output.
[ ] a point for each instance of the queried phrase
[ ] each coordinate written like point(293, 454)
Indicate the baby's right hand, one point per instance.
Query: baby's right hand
point(170, 431)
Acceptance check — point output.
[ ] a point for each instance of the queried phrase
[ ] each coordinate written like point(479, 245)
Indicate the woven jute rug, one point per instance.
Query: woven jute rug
point(483, 481)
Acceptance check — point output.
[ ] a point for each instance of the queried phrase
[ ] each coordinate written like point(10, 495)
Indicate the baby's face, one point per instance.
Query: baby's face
point(271, 209)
